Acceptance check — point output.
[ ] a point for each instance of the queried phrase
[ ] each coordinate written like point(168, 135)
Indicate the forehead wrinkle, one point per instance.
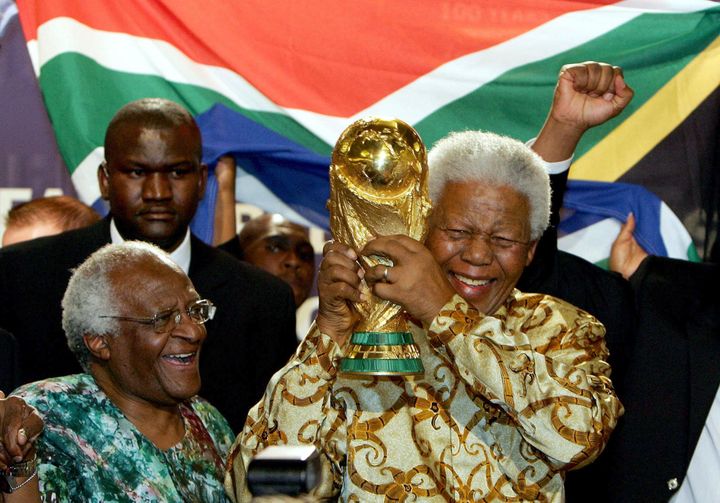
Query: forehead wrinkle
point(486, 212)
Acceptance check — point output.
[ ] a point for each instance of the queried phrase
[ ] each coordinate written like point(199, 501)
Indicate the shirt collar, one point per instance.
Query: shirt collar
point(181, 254)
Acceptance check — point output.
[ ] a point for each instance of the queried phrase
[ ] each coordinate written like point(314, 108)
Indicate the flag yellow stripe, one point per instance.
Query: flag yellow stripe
point(620, 150)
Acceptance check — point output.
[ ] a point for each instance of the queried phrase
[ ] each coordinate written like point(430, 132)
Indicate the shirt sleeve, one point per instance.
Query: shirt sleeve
point(296, 409)
point(544, 365)
point(553, 168)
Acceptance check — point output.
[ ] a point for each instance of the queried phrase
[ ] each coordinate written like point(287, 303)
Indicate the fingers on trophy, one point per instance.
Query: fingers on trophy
point(378, 187)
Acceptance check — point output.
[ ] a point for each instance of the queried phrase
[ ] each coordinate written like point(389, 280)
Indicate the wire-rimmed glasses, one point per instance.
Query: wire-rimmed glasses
point(198, 311)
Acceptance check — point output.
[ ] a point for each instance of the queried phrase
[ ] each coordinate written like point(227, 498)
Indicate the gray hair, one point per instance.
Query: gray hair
point(90, 293)
point(493, 160)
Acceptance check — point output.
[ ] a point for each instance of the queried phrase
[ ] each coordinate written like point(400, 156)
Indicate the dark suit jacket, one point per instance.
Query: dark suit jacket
point(670, 386)
point(9, 370)
point(252, 335)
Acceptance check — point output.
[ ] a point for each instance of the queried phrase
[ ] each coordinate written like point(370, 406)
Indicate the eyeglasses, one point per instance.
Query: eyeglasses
point(199, 312)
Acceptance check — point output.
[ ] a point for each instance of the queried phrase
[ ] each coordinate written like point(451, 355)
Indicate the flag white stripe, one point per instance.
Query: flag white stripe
point(249, 189)
point(450, 81)
point(676, 238)
point(592, 242)
point(127, 53)
point(84, 177)
point(8, 11)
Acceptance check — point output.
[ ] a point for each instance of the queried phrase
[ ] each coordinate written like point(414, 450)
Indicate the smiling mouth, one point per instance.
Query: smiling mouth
point(472, 282)
point(181, 358)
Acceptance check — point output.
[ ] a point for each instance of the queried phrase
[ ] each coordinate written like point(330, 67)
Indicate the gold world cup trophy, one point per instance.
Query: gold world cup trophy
point(378, 187)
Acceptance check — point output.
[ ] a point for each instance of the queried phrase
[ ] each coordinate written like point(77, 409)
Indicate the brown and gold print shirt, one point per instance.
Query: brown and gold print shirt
point(507, 404)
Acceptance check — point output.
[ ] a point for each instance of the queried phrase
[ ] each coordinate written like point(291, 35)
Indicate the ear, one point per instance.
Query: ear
point(98, 346)
point(103, 182)
point(531, 252)
point(202, 182)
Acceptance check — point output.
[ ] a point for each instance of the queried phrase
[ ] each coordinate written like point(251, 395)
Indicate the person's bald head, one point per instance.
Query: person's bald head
point(152, 113)
point(153, 176)
point(282, 248)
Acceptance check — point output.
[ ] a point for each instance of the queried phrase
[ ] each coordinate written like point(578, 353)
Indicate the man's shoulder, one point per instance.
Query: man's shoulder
point(577, 268)
point(66, 246)
point(554, 306)
point(676, 287)
point(681, 273)
point(66, 393)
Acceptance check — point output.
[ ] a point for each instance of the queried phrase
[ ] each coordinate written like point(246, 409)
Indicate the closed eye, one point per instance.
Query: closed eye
point(457, 233)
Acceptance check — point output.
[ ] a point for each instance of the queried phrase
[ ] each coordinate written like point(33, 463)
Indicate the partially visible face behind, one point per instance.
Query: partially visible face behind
point(17, 234)
point(481, 269)
point(154, 182)
point(284, 250)
point(157, 368)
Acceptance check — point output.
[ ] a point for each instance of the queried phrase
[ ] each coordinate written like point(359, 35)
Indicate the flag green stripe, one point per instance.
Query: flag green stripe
point(652, 49)
point(80, 112)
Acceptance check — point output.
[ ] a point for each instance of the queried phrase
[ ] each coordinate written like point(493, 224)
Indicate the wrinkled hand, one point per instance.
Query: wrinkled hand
point(626, 254)
point(415, 281)
point(589, 94)
point(339, 280)
point(20, 425)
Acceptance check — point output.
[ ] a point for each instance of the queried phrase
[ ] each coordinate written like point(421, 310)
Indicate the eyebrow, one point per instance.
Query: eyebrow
point(163, 167)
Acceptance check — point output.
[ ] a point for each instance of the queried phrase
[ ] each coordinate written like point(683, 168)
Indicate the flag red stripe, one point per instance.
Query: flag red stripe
point(348, 54)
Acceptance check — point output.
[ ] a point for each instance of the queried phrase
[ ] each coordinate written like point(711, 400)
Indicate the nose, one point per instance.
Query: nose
point(157, 187)
point(188, 329)
point(478, 250)
point(291, 260)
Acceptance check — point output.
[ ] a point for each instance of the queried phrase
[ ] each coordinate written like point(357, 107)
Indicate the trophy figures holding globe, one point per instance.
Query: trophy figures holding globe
point(378, 187)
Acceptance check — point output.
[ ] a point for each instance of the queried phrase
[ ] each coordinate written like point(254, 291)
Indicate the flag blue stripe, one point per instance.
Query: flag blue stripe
point(591, 201)
point(295, 175)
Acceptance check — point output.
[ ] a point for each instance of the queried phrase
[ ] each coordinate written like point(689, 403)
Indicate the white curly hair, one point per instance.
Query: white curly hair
point(494, 160)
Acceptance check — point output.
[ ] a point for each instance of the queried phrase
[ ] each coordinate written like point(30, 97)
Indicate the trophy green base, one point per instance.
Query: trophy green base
point(382, 354)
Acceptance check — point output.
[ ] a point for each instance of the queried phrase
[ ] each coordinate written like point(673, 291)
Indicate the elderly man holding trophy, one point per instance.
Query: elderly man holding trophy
point(428, 376)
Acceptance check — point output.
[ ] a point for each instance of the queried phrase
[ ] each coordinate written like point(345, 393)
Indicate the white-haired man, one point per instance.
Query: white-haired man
point(131, 427)
point(516, 387)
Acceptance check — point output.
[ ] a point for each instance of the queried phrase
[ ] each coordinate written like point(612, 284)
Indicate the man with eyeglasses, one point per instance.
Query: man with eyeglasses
point(131, 426)
point(153, 179)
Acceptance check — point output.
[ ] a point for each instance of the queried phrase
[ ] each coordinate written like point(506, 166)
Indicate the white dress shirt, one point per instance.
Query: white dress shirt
point(181, 254)
point(702, 481)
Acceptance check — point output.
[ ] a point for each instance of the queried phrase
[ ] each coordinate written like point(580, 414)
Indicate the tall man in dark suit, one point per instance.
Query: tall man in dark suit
point(153, 179)
point(671, 386)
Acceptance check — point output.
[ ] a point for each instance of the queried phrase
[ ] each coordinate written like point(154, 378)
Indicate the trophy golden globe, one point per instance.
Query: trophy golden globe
point(378, 187)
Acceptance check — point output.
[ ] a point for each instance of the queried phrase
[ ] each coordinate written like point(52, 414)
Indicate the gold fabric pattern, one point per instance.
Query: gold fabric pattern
point(506, 405)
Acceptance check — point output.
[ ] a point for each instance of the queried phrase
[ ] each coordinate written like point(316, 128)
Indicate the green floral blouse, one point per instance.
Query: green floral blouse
point(90, 452)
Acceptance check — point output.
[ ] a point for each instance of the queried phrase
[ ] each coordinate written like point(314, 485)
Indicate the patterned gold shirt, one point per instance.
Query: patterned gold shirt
point(507, 404)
